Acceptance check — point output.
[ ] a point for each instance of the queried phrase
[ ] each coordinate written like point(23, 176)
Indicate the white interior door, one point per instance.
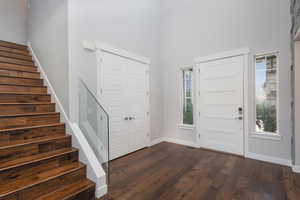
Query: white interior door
point(124, 85)
point(113, 97)
point(138, 104)
point(220, 104)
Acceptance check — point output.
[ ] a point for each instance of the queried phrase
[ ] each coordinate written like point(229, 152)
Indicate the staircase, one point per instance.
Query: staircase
point(37, 160)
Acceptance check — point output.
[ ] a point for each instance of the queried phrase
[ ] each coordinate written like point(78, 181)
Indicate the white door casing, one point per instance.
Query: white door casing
point(124, 92)
point(221, 90)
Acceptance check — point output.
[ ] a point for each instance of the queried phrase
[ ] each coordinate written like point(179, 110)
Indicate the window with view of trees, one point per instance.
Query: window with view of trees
point(187, 97)
point(266, 93)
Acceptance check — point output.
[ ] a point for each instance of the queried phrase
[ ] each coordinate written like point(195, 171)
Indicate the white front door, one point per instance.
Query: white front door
point(220, 104)
point(124, 85)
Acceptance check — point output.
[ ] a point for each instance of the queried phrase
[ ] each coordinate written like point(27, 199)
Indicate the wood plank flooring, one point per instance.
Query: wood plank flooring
point(173, 172)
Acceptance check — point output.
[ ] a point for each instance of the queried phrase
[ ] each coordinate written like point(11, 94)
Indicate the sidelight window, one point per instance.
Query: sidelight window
point(266, 69)
point(187, 117)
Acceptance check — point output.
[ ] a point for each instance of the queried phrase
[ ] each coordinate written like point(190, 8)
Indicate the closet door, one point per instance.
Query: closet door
point(125, 96)
point(138, 104)
point(114, 99)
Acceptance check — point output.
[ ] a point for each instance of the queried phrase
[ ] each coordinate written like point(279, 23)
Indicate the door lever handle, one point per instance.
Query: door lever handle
point(126, 118)
point(131, 118)
point(239, 118)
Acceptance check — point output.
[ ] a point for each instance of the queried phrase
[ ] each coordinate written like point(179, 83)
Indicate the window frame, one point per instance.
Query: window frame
point(267, 135)
point(182, 96)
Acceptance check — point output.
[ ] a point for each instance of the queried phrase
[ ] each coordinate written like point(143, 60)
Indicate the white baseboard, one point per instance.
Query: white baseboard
point(254, 156)
point(173, 140)
point(182, 142)
point(156, 141)
point(269, 159)
point(296, 168)
point(101, 191)
point(95, 171)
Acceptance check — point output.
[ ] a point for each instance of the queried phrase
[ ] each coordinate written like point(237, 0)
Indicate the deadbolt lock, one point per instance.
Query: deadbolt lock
point(240, 110)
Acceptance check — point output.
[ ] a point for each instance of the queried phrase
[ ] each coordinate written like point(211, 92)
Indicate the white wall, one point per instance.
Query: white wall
point(171, 33)
point(13, 21)
point(48, 34)
point(194, 28)
point(132, 25)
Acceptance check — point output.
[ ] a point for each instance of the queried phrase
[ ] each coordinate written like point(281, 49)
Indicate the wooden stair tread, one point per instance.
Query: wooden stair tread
point(31, 127)
point(35, 158)
point(16, 61)
point(34, 70)
point(13, 45)
point(38, 86)
point(16, 70)
point(31, 141)
point(24, 93)
point(38, 103)
point(18, 67)
point(24, 97)
point(25, 108)
point(17, 77)
point(29, 114)
point(25, 104)
point(23, 88)
point(15, 51)
point(21, 81)
point(15, 56)
point(27, 182)
point(3, 63)
point(69, 191)
point(19, 74)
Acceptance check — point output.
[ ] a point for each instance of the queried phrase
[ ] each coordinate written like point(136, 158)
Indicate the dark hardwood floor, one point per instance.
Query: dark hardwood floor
point(173, 172)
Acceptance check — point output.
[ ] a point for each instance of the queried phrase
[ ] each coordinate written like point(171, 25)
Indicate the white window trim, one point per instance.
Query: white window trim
point(267, 135)
point(181, 124)
point(186, 126)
